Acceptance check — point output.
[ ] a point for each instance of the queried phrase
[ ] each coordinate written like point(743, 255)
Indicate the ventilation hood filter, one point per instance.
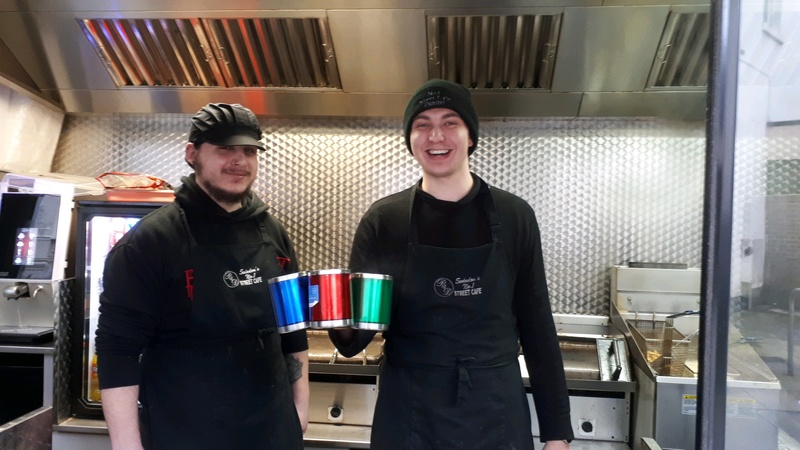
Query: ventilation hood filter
point(494, 52)
point(265, 53)
point(682, 59)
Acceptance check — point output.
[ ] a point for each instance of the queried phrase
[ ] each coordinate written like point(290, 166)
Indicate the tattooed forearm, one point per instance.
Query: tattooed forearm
point(294, 367)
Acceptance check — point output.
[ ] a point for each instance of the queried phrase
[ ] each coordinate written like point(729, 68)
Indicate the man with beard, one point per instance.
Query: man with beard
point(186, 327)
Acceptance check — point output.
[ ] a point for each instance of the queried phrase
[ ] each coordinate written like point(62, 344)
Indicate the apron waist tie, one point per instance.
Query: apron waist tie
point(464, 382)
point(463, 365)
point(261, 334)
point(190, 342)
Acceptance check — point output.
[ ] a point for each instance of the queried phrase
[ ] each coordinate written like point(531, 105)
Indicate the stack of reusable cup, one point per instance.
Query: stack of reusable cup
point(331, 298)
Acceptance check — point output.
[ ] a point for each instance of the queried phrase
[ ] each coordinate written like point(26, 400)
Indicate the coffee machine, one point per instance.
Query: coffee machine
point(35, 242)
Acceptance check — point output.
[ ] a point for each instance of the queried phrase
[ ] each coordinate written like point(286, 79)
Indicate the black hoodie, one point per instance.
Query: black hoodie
point(144, 293)
point(210, 224)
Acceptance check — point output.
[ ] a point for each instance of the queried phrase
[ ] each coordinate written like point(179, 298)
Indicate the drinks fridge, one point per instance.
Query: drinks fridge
point(100, 223)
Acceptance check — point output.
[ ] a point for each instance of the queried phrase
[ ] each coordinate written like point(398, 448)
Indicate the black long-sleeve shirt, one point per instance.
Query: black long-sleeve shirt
point(381, 246)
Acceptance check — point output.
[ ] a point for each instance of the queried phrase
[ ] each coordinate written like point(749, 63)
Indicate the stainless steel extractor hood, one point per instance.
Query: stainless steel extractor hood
point(558, 58)
point(197, 52)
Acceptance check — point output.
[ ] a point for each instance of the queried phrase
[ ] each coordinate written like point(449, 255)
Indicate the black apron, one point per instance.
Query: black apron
point(227, 385)
point(451, 378)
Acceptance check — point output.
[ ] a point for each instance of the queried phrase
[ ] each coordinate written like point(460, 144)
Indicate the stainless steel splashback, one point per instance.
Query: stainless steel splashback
point(604, 190)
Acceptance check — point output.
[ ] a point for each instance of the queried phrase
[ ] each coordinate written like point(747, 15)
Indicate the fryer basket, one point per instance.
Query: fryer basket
point(665, 347)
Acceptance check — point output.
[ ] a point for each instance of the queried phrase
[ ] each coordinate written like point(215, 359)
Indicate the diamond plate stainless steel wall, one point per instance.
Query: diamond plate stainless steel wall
point(605, 191)
point(65, 299)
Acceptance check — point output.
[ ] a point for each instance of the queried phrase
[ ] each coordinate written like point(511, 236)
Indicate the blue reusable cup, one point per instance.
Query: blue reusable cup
point(290, 301)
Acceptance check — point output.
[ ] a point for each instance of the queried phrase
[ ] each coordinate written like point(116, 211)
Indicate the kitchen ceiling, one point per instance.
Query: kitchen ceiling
point(574, 58)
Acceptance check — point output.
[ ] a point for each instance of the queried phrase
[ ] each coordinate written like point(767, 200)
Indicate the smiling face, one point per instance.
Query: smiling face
point(225, 173)
point(440, 143)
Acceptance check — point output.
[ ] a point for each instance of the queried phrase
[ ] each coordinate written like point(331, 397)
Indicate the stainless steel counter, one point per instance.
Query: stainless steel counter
point(344, 391)
point(318, 436)
point(33, 349)
point(30, 431)
point(337, 436)
point(82, 434)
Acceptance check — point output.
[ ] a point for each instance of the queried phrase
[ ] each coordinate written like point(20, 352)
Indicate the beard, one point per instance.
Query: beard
point(216, 193)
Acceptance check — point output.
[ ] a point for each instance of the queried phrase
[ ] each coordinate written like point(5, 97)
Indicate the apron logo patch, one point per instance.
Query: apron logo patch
point(463, 287)
point(245, 277)
point(231, 279)
point(443, 287)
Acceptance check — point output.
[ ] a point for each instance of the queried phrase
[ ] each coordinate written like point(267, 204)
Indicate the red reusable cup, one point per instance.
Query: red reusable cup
point(329, 298)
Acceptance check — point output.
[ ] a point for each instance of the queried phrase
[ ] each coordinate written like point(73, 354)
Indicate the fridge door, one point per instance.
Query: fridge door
point(102, 233)
point(99, 226)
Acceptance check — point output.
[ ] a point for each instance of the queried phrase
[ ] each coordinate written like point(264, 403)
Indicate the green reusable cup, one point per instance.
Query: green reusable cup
point(371, 300)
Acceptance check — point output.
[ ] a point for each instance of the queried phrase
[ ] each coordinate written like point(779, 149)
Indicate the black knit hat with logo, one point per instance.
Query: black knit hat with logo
point(226, 124)
point(442, 94)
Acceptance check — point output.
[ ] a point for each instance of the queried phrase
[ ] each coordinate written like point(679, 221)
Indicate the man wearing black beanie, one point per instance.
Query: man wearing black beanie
point(469, 288)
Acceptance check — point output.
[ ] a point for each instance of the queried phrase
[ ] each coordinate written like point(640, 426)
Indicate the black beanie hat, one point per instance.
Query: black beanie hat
point(442, 94)
point(225, 124)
